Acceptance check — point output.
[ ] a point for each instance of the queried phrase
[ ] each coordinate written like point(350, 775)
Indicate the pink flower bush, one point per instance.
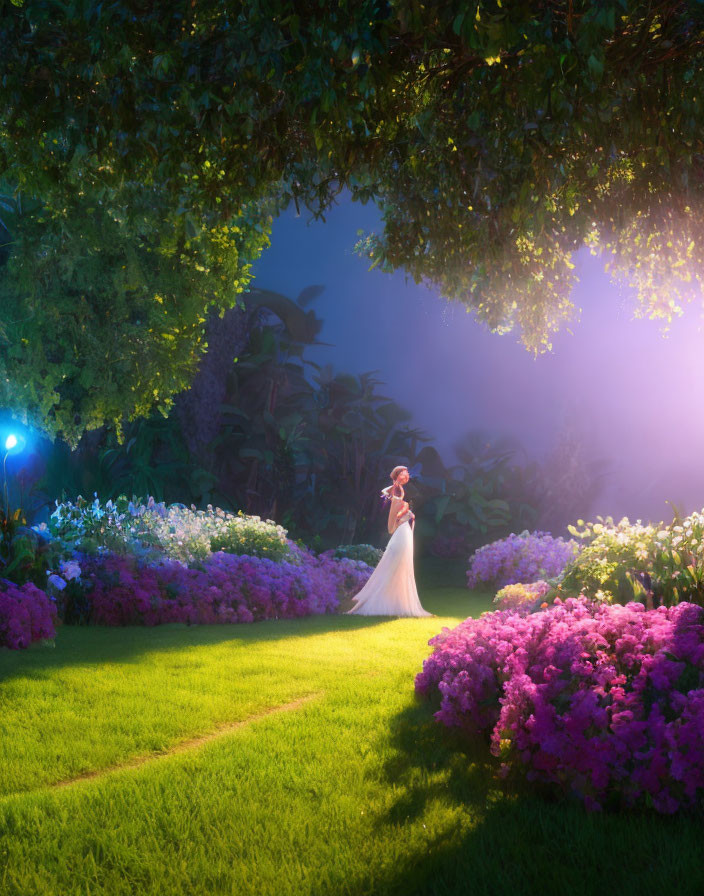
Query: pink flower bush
point(26, 615)
point(603, 701)
point(227, 588)
point(525, 558)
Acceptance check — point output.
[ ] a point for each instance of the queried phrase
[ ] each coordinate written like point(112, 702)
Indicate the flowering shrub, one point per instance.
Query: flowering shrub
point(367, 553)
point(343, 576)
point(521, 597)
point(610, 563)
point(137, 563)
point(524, 558)
point(191, 535)
point(251, 535)
point(123, 590)
point(90, 526)
point(678, 561)
point(66, 587)
point(26, 554)
point(68, 571)
point(622, 561)
point(26, 615)
point(603, 701)
point(350, 576)
point(152, 529)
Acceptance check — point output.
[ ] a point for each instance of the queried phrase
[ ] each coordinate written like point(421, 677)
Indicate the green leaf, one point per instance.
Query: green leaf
point(441, 507)
point(596, 67)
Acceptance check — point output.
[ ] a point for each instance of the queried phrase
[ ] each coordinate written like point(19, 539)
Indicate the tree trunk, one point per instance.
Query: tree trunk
point(198, 408)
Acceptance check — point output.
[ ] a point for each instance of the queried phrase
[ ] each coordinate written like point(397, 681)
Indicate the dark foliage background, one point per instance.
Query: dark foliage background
point(265, 430)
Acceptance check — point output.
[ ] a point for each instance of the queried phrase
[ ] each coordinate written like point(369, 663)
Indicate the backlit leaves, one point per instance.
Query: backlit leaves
point(497, 140)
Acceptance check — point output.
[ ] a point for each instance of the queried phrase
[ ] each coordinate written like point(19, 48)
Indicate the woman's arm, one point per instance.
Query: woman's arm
point(404, 513)
point(396, 501)
point(393, 511)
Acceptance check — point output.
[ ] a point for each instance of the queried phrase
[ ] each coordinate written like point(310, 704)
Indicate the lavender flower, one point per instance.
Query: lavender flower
point(26, 615)
point(124, 590)
point(525, 558)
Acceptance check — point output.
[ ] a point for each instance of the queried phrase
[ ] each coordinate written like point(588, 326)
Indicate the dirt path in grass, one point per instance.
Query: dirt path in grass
point(191, 744)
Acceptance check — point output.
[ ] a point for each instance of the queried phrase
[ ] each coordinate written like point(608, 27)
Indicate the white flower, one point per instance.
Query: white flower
point(56, 581)
point(70, 570)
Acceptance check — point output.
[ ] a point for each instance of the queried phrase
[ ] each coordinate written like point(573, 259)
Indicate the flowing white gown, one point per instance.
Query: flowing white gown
point(391, 590)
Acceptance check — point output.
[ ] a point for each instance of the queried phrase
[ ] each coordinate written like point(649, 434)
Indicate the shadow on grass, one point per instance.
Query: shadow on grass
point(89, 645)
point(505, 840)
point(441, 572)
point(457, 603)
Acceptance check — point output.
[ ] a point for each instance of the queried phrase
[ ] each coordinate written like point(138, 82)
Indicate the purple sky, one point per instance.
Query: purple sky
point(634, 395)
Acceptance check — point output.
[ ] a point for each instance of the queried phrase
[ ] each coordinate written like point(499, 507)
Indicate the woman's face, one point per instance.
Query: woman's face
point(402, 477)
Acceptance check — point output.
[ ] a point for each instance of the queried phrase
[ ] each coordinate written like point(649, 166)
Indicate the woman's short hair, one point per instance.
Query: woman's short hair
point(396, 470)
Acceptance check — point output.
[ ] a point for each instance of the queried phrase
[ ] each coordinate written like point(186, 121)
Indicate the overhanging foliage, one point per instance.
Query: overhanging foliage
point(497, 140)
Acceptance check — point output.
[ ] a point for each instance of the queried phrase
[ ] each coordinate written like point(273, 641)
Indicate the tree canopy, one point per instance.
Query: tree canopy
point(144, 148)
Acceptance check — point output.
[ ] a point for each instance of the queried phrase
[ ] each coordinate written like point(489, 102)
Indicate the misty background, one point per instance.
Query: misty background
point(630, 396)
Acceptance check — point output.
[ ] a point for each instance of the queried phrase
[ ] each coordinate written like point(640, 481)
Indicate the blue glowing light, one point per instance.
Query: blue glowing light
point(10, 442)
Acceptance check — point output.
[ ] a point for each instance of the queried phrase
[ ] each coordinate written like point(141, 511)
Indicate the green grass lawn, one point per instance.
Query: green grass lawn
point(351, 790)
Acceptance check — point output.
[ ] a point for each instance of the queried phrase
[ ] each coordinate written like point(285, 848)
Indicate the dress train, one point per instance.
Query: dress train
point(391, 590)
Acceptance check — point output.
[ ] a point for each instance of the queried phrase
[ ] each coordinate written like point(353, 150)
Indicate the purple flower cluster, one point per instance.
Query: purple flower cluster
point(227, 588)
point(521, 597)
point(525, 558)
point(26, 615)
point(604, 701)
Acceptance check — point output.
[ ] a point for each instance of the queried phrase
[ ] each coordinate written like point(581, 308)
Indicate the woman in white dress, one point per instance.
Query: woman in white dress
point(391, 590)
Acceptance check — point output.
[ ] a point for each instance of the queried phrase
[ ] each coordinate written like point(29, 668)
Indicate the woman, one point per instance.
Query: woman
point(391, 590)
